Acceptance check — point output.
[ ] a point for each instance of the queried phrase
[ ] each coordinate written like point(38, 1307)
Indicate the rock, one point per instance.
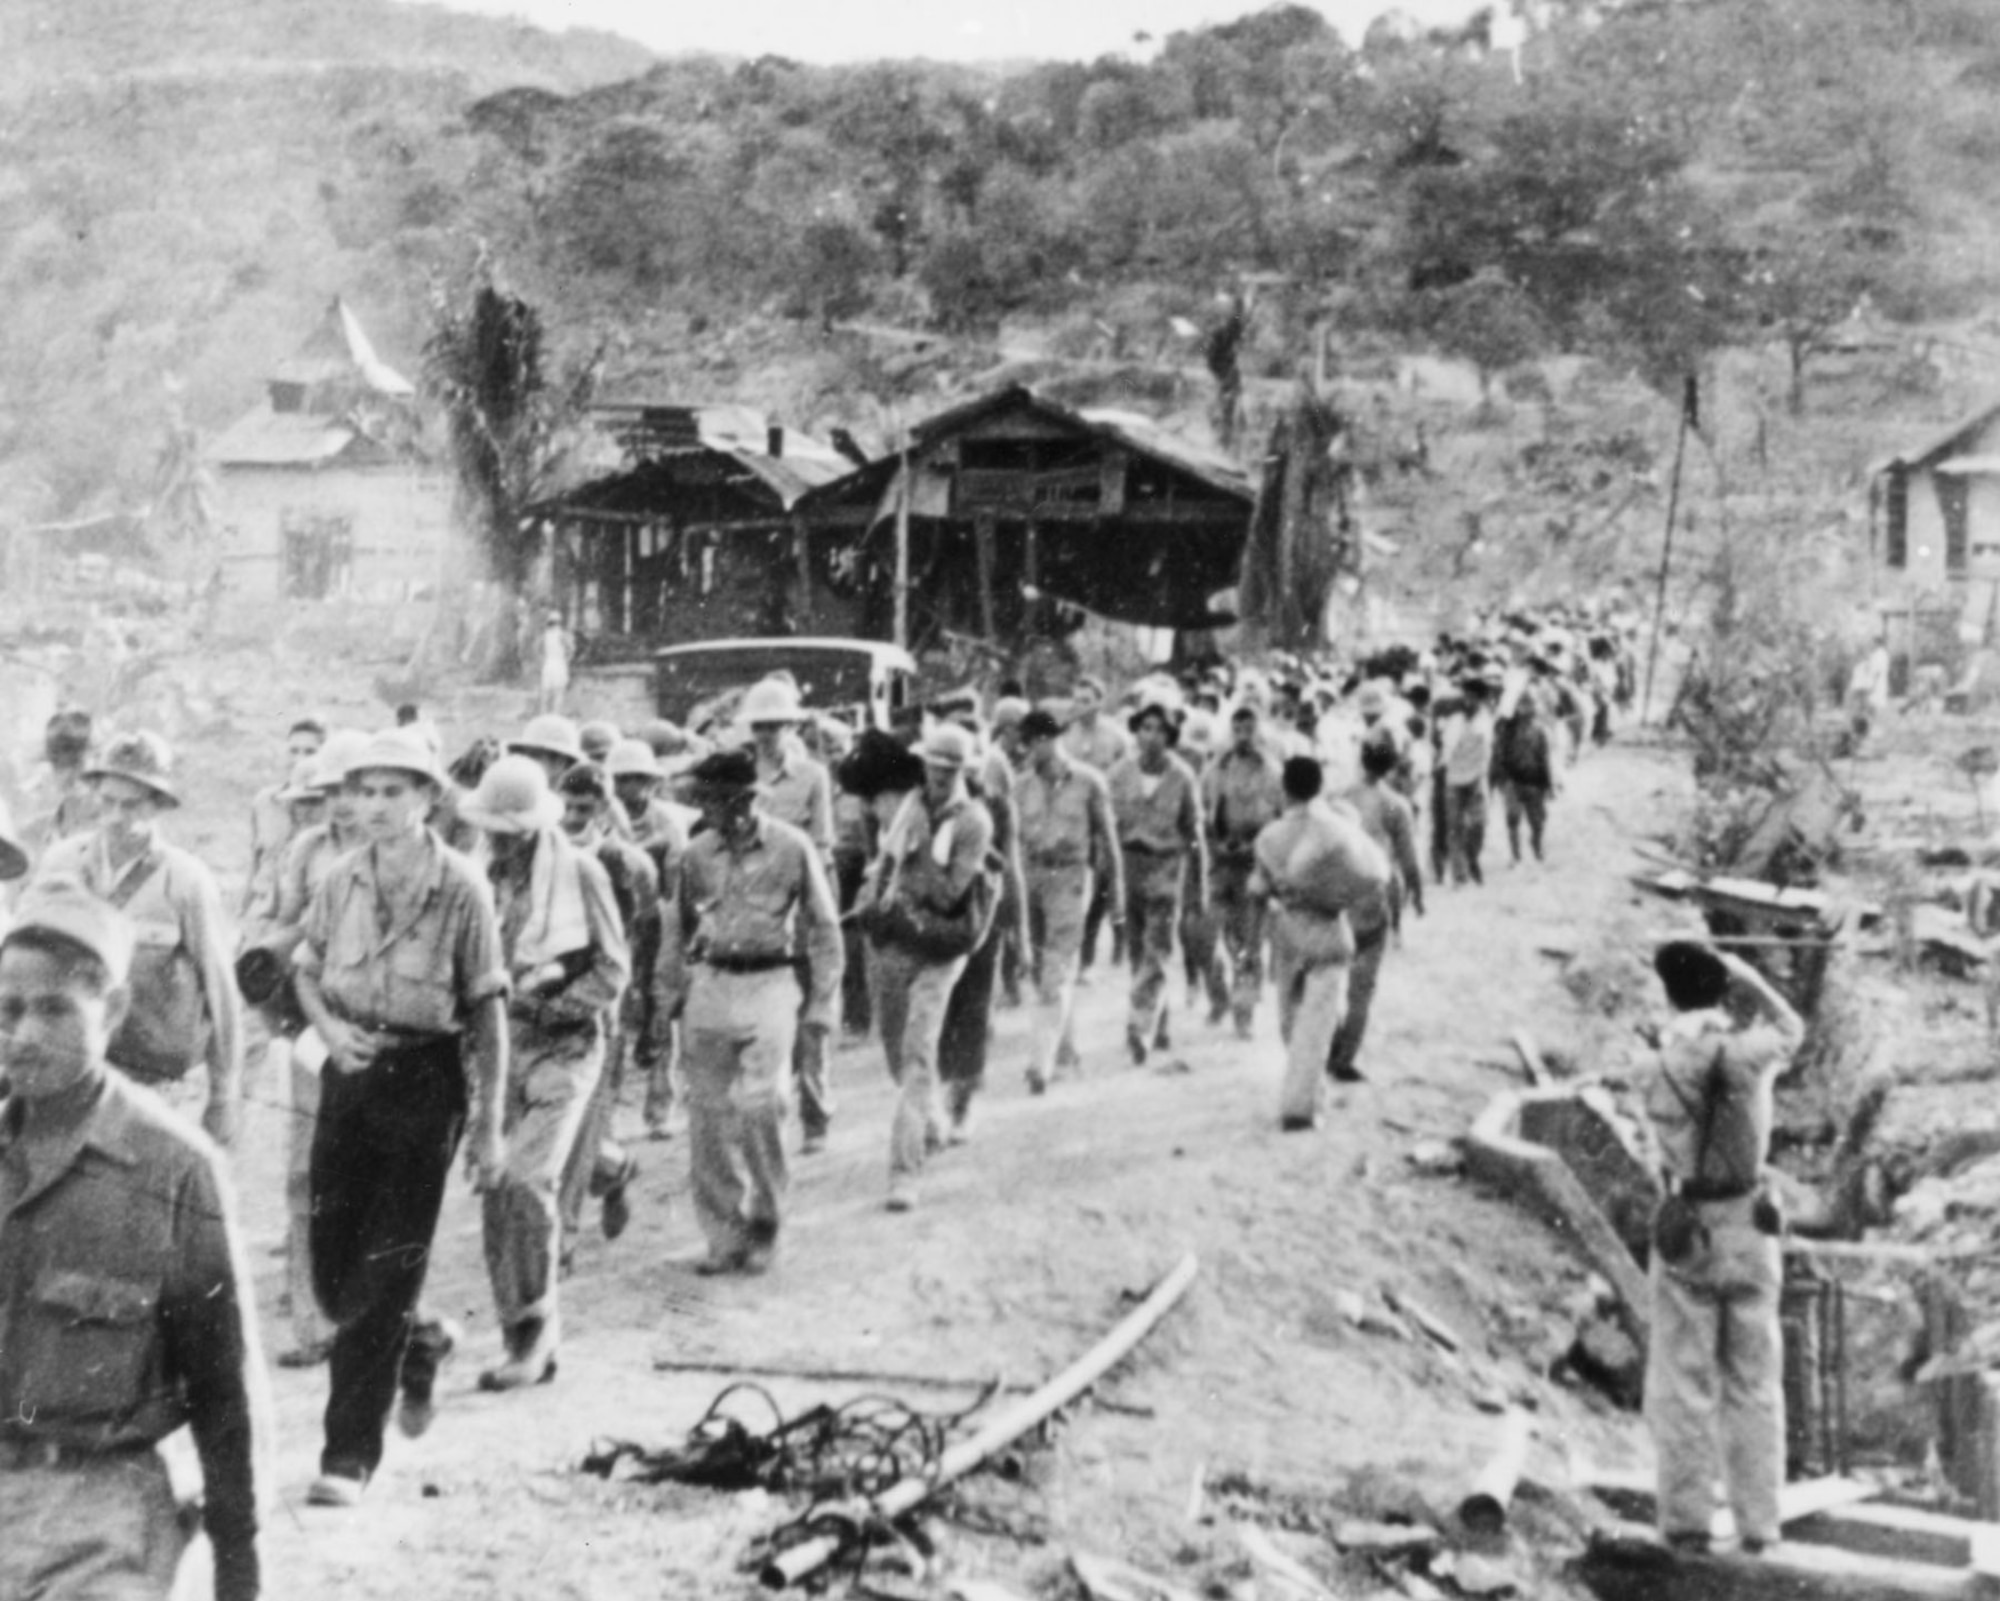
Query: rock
point(1387, 1539)
point(1606, 1356)
point(1481, 1576)
point(1436, 1157)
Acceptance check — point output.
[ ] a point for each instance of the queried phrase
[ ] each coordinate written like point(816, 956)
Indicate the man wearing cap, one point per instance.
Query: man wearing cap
point(795, 789)
point(1314, 866)
point(125, 1300)
point(1387, 819)
point(659, 970)
point(185, 1011)
point(1100, 744)
point(1714, 1365)
point(933, 859)
point(401, 973)
point(1156, 801)
point(754, 891)
point(1241, 792)
point(1066, 824)
point(567, 964)
point(272, 826)
point(598, 1165)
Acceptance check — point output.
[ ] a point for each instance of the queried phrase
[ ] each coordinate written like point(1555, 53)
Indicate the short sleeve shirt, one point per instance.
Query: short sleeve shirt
point(420, 970)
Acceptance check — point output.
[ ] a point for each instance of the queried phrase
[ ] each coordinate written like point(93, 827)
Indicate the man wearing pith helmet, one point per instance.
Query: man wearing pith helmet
point(797, 790)
point(659, 971)
point(567, 963)
point(125, 1302)
point(401, 973)
point(186, 1018)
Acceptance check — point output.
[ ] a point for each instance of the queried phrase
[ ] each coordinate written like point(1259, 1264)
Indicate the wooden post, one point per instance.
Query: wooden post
point(903, 548)
point(1031, 616)
point(802, 547)
point(1667, 550)
point(982, 541)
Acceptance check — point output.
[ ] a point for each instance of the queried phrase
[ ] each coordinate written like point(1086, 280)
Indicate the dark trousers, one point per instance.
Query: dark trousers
point(381, 1154)
point(1369, 949)
point(967, 1025)
point(856, 1004)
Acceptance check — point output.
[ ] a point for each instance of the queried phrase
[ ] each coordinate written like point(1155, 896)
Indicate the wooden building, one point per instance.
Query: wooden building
point(322, 489)
point(694, 537)
point(1022, 511)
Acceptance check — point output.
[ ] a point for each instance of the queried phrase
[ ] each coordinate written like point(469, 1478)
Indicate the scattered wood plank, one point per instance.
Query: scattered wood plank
point(1428, 1322)
point(1530, 1057)
point(1273, 1563)
point(1904, 1533)
point(1108, 1579)
point(1634, 1566)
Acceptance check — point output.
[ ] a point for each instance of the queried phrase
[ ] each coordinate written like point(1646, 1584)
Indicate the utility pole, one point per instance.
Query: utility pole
point(1690, 401)
point(903, 542)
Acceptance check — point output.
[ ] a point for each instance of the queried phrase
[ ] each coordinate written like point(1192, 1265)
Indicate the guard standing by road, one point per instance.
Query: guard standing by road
point(402, 976)
point(186, 1013)
point(125, 1302)
point(1241, 791)
point(1155, 799)
point(1715, 1364)
point(1066, 824)
point(754, 891)
point(797, 791)
point(567, 963)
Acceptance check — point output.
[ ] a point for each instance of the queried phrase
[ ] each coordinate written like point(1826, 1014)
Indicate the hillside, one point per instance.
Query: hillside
point(184, 183)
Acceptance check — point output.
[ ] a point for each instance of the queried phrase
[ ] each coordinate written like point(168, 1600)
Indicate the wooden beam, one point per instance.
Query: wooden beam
point(1634, 1566)
point(1904, 1533)
point(983, 536)
point(1632, 1495)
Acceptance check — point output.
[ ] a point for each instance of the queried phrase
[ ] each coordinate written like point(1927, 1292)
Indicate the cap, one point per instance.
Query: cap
point(62, 906)
point(947, 745)
point(1009, 711)
point(597, 737)
point(725, 770)
point(880, 764)
point(142, 759)
point(550, 735)
point(1040, 724)
point(513, 797)
point(770, 700)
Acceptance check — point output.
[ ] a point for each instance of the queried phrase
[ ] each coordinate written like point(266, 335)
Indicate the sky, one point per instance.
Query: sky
point(944, 30)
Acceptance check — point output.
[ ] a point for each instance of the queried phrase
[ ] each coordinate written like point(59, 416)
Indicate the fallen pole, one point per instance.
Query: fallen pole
point(788, 1567)
point(1484, 1509)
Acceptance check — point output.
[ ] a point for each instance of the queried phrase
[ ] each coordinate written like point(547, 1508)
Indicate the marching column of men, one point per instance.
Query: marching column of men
point(479, 955)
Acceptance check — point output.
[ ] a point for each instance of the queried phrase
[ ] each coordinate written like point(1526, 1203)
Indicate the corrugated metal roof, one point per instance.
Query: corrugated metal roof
point(267, 438)
point(339, 349)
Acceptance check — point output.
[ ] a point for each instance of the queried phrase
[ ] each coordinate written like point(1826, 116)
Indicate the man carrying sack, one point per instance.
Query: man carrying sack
point(1715, 1369)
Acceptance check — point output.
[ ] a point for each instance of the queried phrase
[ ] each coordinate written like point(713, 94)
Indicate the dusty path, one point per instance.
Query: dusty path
point(1014, 1262)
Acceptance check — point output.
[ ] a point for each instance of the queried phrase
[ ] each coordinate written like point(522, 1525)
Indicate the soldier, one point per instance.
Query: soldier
point(567, 965)
point(401, 973)
point(659, 972)
point(272, 826)
point(1066, 823)
point(1154, 798)
point(1241, 791)
point(1100, 744)
point(1387, 819)
point(754, 891)
point(923, 899)
point(186, 1014)
point(1315, 865)
point(797, 791)
point(125, 1310)
point(1715, 1366)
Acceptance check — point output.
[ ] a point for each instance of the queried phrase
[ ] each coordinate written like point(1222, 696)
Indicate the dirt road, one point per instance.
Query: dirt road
point(1018, 1256)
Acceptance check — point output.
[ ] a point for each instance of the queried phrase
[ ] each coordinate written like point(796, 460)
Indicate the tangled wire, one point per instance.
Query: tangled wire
point(841, 1456)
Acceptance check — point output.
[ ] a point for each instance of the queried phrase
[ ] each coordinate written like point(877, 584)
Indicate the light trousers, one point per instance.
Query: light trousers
point(911, 994)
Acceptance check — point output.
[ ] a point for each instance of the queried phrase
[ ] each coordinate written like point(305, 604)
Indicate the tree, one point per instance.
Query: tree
point(509, 422)
point(1488, 322)
point(834, 262)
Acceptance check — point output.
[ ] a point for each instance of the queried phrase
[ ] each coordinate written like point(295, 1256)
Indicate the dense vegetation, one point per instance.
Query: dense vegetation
point(178, 193)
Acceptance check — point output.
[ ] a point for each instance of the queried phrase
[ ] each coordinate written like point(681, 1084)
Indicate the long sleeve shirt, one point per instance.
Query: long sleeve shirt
point(125, 1299)
point(744, 900)
point(175, 904)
